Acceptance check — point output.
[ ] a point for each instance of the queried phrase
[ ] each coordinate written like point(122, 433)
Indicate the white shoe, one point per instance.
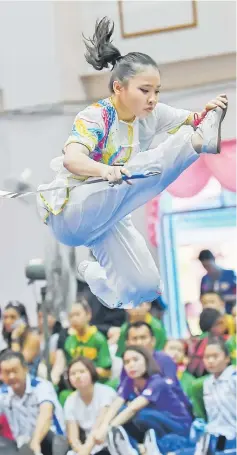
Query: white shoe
point(82, 269)
point(210, 130)
point(82, 272)
point(118, 442)
point(151, 444)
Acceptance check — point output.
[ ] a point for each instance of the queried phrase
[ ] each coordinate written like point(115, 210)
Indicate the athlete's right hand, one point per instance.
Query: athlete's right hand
point(114, 174)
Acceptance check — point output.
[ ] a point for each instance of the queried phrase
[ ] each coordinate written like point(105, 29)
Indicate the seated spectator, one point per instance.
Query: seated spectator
point(218, 279)
point(231, 342)
point(84, 340)
point(30, 405)
point(220, 393)
point(140, 334)
point(142, 313)
point(151, 403)
point(214, 300)
point(85, 408)
point(19, 336)
point(54, 329)
point(177, 350)
point(212, 322)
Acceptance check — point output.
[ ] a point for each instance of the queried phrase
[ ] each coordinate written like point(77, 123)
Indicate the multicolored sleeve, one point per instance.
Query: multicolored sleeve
point(88, 128)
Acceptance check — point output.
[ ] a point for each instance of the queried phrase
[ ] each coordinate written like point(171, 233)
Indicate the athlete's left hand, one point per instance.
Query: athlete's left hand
point(220, 101)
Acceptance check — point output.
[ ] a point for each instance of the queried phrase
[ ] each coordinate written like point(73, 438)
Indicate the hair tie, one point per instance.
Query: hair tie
point(116, 61)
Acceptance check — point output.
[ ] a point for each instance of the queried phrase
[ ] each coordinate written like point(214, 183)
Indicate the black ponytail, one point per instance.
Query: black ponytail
point(100, 50)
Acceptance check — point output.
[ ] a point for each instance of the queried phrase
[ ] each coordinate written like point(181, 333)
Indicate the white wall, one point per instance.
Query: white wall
point(70, 48)
point(215, 33)
point(42, 52)
point(28, 64)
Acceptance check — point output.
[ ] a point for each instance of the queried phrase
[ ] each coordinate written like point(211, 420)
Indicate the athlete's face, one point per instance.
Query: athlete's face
point(140, 95)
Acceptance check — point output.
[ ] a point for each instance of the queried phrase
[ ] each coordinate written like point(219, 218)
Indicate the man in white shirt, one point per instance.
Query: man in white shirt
point(30, 406)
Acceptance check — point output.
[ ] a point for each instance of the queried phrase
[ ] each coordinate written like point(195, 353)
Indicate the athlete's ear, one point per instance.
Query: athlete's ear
point(117, 87)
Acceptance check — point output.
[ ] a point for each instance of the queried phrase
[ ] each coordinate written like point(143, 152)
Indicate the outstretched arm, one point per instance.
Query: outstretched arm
point(169, 119)
point(131, 410)
point(111, 419)
point(101, 432)
point(195, 117)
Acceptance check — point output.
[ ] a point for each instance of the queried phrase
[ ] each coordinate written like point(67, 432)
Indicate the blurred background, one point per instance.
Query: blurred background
point(45, 81)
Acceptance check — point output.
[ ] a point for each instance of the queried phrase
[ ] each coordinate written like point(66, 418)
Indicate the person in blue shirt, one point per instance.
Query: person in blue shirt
point(218, 280)
point(146, 411)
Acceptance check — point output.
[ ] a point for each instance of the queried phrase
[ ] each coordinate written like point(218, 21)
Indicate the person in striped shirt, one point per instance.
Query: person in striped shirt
point(30, 406)
point(220, 392)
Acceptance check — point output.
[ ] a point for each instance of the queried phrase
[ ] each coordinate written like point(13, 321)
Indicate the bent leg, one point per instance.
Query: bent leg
point(94, 209)
point(125, 271)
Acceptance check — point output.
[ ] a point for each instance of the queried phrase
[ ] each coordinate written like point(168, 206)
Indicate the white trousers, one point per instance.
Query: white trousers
point(97, 216)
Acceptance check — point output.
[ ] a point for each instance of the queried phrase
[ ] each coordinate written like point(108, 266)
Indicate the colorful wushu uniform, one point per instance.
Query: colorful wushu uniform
point(98, 215)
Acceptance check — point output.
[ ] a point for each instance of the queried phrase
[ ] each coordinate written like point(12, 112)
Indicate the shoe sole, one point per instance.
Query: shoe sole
point(218, 148)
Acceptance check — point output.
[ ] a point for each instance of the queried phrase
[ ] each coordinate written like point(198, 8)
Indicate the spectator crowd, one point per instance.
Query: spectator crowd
point(115, 383)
